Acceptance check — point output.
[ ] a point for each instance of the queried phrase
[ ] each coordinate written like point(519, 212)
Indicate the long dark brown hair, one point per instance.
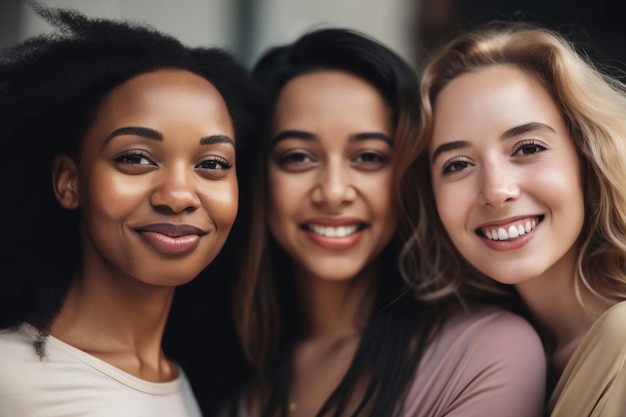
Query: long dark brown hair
point(266, 304)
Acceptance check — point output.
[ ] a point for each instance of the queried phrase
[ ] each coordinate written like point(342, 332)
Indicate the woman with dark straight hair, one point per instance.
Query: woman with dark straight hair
point(326, 315)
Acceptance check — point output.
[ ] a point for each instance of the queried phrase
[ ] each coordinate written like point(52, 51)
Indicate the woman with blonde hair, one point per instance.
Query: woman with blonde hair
point(522, 149)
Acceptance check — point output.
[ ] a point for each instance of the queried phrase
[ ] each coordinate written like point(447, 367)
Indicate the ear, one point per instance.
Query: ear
point(65, 181)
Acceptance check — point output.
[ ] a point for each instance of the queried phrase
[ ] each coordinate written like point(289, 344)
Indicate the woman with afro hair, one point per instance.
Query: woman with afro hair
point(119, 150)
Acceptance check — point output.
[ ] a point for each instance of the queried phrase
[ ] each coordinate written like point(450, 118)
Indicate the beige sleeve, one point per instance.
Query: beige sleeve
point(594, 381)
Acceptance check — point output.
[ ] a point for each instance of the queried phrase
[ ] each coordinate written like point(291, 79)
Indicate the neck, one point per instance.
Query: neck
point(335, 309)
point(563, 317)
point(119, 321)
point(335, 314)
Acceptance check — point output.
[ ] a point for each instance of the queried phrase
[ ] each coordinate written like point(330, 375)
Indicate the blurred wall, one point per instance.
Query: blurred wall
point(277, 22)
point(413, 28)
point(595, 25)
point(196, 22)
point(244, 26)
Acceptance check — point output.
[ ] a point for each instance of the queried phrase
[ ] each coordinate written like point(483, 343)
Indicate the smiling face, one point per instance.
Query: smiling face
point(506, 176)
point(330, 174)
point(156, 180)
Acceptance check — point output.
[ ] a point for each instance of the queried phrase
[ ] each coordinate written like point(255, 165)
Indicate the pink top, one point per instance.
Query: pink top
point(484, 362)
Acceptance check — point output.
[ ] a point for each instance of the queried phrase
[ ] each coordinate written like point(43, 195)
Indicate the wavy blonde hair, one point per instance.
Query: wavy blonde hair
point(593, 105)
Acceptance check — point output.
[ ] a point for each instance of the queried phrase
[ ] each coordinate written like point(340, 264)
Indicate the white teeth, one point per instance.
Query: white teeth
point(512, 232)
point(327, 231)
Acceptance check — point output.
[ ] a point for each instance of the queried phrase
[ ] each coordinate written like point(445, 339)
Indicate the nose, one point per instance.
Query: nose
point(175, 190)
point(334, 187)
point(499, 185)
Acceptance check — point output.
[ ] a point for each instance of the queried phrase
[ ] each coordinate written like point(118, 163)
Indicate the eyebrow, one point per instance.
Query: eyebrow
point(525, 128)
point(510, 133)
point(300, 134)
point(371, 135)
point(146, 132)
point(448, 146)
point(292, 134)
point(213, 139)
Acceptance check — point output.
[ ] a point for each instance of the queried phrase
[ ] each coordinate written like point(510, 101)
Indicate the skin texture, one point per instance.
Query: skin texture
point(485, 179)
point(126, 184)
point(330, 167)
point(489, 177)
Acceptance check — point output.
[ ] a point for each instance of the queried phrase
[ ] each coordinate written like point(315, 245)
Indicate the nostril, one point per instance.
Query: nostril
point(174, 200)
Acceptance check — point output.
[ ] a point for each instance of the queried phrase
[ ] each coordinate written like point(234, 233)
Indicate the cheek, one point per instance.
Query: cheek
point(379, 194)
point(114, 195)
point(448, 201)
point(221, 201)
point(280, 206)
point(285, 191)
point(561, 189)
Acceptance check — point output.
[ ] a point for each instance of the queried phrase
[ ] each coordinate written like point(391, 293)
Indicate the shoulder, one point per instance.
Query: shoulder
point(604, 344)
point(610, 326)
point(17, 344)
point(496, 340)
point(483, 361)
point(18, 356)
point(491, 329)
point(594, 379)
point(606, 336)
point(19, 379)
point(485, 338)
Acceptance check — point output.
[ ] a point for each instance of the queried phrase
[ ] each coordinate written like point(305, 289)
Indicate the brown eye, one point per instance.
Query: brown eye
point(296, 158)
point(133, 158)
point(214, 163)
point(370, 158)
point(455, 166)
point(529, 147)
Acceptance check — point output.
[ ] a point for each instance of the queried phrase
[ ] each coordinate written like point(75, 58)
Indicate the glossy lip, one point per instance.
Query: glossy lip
point(507, 245)
point(171, 239)
point(335, 243)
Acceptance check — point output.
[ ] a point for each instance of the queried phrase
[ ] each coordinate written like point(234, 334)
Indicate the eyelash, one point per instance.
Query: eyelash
point(380, 159)
point(449, 165)
point(302, 159)
point(133, 157)
point(216, 160)
point(290, 158)
point(525, 144)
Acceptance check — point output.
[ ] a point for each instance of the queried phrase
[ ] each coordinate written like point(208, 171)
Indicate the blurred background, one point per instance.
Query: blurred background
point(410, 27)
point(200, 334)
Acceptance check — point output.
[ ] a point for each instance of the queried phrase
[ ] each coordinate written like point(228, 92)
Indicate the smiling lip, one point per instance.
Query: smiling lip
point(509, 230)
point(334, 233)
point(511, 234)
point(171, 239)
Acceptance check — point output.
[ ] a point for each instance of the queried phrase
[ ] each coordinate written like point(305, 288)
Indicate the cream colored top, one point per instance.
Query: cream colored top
point(68, 382)
point(594, 381)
